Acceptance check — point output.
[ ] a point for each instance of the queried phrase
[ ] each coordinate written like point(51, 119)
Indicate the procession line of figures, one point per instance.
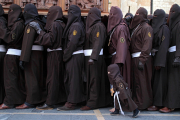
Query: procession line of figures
point(43, 65)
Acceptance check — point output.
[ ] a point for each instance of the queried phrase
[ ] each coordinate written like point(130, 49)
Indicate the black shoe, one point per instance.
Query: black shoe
point(135, 113)
point(44, 107)
point(116, 112)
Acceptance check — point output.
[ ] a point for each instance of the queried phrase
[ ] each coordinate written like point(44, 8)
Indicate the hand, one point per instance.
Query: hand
point(91, 62)
point(157, 67)
point(176, 62)
point(153, 52)
point(140, 66)
point(21, 65)
point(36, 26)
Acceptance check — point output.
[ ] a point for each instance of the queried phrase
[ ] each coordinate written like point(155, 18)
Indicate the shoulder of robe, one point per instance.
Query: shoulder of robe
point(165, 27)
point(76, 25)
point(3, 21)
point(121, 27)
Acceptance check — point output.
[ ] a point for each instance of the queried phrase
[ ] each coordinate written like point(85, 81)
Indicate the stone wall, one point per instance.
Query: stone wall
point(133, 5)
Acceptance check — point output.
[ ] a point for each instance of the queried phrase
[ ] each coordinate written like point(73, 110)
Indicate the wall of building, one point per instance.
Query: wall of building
point(133, 5)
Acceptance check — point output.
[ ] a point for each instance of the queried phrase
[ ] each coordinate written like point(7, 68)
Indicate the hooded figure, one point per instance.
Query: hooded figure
point(173, 93)
point(13, 76)
point(3, 25)
point(128, 18)
point(74, 35)
point(159, 52)
point(122, 92)
point(98, 94)
point(150, 18)
point(52, 39)
point(141, 66)
point(32, 60)
point(119, 43)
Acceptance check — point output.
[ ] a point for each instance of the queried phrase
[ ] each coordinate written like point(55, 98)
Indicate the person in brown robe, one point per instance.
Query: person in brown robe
point(173, 89)
point(13, 76)
point(141, 45)
point(3, 22)
point(119, 43)
point(98, 87)
point(159, 52)
point(74, 35)
point(123, 100)
point(32, 61)
point(52, 38)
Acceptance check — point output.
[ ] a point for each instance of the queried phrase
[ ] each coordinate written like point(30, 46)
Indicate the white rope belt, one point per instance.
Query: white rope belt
point(78, 52)
point(50, 50)
point(88, 52)
point(2, 48)
point(137, 54)
point(172, 49)
point(116, 96)
point(37, 47)
point(13, 52)
point(114, 53)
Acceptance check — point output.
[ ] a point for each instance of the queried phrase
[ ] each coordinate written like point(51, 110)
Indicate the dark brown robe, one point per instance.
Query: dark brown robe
point(98, 87)
point(34, 67)
point(2, 54)
point(142, 42)
point(119, 43)
point(74, 64)
point(119, 85)
point(159, 52)
point(52, 38)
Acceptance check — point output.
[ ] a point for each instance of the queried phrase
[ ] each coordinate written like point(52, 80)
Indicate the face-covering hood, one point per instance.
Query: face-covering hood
point(115, 18)
point(141, 17)
point(174, 16)
point(30, 13)
point(159, 19)
point(94, 16)
point(14, 13)
point(113, 72)
point(54, 13)
point(1, 10)
point(74, 15)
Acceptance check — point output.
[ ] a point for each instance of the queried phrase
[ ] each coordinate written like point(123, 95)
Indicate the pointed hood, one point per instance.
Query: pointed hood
point(54, 13)
point(14, 14)
point(159, 19)
point(115, 18)
point(140, 17)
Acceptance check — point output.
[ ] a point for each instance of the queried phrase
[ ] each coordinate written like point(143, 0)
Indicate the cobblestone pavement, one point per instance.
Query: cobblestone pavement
point(98, 114)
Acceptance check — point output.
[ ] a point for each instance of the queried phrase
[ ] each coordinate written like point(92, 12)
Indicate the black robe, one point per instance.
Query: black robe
point(74, 64)
point(173, 93)
point(98, 94)
point(159, 78)
point(34, 67)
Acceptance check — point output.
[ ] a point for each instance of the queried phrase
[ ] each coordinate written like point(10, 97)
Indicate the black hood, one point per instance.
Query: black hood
point(174, 16)
point(159, 19)
point(30, 13)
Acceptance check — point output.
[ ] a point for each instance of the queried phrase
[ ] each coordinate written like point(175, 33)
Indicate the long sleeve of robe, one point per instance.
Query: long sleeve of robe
point(147, 44)
point(73, 39)
point(49, 39)
point(163, 48)
point(177, 53)
point(97, 42)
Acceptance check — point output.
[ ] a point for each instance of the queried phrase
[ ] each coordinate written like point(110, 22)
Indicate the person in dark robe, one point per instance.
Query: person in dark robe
point(119, 43)
point(123, 100)
point(3, 23)
point(52, 38)
point(173, 90)
point(141, 63)
point(98, 86)
point(74, 35)
point(128, 18)
point(159, 52)
point(32, 61)
point(13, 76)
